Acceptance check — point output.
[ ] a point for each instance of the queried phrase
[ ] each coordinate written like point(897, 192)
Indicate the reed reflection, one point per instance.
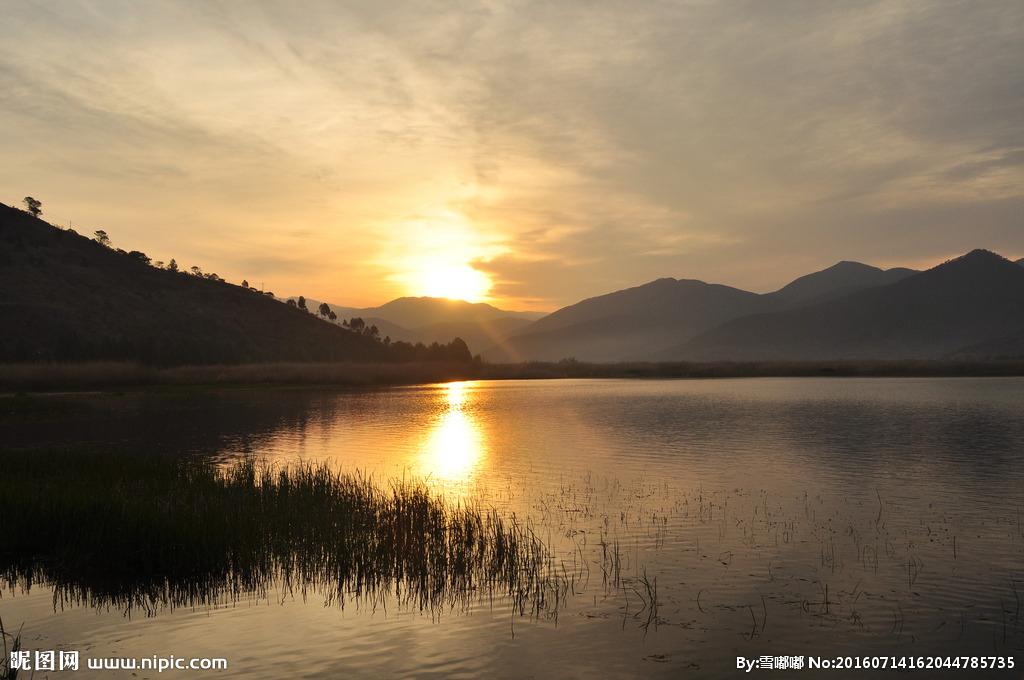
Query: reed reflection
point(455, 445)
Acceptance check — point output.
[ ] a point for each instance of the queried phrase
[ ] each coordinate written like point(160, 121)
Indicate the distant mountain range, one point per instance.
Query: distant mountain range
point(959, 307)
point(972, 306)
point(427, 320)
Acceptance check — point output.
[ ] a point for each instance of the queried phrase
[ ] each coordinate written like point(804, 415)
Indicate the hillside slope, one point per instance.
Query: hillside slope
point(66, 297)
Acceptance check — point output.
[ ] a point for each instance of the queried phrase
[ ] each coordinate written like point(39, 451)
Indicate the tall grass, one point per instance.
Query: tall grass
point(7, 672)
point(142, 533)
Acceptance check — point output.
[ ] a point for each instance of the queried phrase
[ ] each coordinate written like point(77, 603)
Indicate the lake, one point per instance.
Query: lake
point(690, 521)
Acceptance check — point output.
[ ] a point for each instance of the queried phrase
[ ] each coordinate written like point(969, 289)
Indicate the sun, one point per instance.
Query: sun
point(453, 281)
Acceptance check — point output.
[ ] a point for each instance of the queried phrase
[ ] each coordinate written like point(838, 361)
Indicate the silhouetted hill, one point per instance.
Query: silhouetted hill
point(963, 303)
point(627, 324)
point(840, 279)
point(67, 297)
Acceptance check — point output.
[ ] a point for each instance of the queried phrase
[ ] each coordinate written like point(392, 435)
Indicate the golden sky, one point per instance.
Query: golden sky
point(525, 153)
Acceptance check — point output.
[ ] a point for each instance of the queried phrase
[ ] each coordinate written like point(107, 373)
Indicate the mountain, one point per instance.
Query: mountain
point(840, 279)
point(964, 303)
point(417, 312)
point(67, 298)
point(428, 320)
point(637, 323)
point(627, 324)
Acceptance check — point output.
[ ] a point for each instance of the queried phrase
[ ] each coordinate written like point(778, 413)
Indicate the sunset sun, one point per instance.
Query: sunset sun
point(453, 281)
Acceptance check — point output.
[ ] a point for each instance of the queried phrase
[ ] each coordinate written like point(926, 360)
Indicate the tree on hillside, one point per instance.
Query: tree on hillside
point(172, 266)
point(324, 310)
point(33, 206)
point(245, 283)
point(196, 271)
point(101, 237)
point(332, 316)
point(302, 302)
point(291, 303)
point(139, 255)
point(356, 324)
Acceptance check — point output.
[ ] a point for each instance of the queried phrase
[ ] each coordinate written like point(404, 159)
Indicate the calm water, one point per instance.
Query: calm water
point(776, 516)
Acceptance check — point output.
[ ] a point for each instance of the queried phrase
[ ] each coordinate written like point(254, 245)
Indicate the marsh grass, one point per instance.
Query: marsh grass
point(144, 533)
point(11, 643)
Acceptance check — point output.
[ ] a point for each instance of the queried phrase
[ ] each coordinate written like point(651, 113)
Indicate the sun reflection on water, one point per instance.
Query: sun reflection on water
point(455, 445)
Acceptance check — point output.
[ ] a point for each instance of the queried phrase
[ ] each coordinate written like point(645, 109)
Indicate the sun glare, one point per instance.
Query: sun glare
point(453, 281)
point(455, 444)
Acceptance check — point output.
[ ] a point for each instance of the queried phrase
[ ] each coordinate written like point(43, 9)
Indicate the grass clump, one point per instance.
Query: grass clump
point(149, 532)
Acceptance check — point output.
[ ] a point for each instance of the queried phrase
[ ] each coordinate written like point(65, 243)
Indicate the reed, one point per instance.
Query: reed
point(7, 671)
point(147, 532)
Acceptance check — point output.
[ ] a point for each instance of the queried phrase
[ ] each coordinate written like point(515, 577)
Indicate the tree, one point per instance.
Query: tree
point(332, 316)
point(302, 302)
point(101, 237)
point(357, 324)
point(245, 284)
point(196, 271)
point(139, 255)
point(172, 266)
point(325, 310)
point(33, 206)
point(459, 351)
point(291, 302)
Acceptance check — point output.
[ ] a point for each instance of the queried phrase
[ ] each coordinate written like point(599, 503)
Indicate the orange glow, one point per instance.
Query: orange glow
point(455, 446)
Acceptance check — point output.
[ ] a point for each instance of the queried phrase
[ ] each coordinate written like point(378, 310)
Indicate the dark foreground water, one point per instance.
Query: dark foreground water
point(690, 522)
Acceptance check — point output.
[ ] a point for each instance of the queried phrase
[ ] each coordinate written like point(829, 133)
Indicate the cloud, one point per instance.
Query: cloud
point(584, 145)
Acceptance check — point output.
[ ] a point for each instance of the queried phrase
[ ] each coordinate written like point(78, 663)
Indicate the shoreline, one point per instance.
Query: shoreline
point(115, 376)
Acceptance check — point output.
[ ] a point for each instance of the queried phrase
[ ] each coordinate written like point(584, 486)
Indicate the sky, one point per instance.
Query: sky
point(528, 154)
